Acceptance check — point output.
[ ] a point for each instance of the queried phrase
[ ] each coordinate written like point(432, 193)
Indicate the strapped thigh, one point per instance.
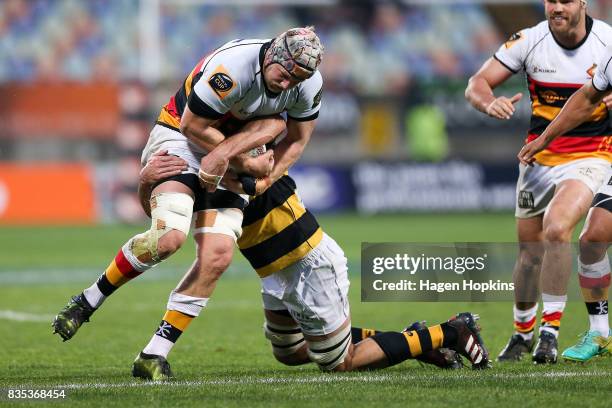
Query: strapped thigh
point(330, 353)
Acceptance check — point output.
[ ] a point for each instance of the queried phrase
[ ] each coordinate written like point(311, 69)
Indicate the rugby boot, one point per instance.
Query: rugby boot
point(546, 350)
point(151, 367)
point(72, 316)
point(469, 343)
point(515, 348)
point(586, 348)
point(605, 343)
point(442, 357)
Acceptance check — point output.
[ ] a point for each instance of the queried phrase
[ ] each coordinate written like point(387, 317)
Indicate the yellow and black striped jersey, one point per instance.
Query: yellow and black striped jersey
point(277, 229)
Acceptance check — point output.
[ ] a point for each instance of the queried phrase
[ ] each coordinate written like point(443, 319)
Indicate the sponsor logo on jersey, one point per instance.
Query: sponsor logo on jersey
point(537, 69)
point(525, 199)
point(221, 82)
point(514, 38)
point(610, 182)
point(551, 97)
point(317, 98)
point(591, 71)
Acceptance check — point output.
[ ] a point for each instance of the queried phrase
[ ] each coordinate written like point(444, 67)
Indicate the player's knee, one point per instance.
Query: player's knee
point(170, 243)
point(216, 259)
point(593, 244)
point(557, 232)
point(288, 345)
point(170, 222)
point(593, 234)
point(292, 360)
point(330, 354)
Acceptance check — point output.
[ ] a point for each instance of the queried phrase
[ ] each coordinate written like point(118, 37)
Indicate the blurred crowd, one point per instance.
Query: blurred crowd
point(372, 47)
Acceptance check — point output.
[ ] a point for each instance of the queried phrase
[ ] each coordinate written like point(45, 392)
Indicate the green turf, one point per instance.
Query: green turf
point(223, 359)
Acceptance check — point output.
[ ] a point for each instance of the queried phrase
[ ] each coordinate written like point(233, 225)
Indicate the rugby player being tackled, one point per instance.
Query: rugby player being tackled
point(305, 294)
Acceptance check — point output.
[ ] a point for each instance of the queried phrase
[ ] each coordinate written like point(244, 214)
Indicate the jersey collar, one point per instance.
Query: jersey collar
point(262, 54)
point(589, 26)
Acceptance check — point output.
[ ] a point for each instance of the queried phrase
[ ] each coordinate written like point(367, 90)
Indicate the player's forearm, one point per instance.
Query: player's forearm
point(576, 111)
point(479, 93)
point(243, 141)
point(206, 138)
point(286, 153)
point(144, 195)
point(290, 149)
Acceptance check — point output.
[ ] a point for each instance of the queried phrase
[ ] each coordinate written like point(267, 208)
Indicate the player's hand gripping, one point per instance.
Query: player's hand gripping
point(503, 107)
point(608, 101)
point(212, 168)
point(259, 166)
point(161, 165)
point(527, 154)
point(244, 184)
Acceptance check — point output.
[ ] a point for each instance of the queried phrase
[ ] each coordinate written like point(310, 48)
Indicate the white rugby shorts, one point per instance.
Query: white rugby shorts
point(536, 184)
point(314, 290)
point(163, 138)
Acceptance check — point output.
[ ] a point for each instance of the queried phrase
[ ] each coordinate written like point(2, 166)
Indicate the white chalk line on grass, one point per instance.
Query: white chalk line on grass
point(326, 379)
point(24, 317)
point(42, 276)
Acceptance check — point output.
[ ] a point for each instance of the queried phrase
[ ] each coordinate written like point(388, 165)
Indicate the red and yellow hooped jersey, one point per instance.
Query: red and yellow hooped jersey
point(554, 73)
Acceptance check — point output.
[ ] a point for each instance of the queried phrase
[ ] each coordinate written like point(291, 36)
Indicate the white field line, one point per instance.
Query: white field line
point(41, 276)
point(25, 317)
point(324, 379)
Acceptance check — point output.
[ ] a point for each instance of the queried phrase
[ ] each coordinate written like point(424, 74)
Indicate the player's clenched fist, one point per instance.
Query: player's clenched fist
point(503, 107)
point(527, 154)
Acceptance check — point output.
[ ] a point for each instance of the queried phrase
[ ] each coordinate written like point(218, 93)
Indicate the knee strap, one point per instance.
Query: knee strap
point(330, 353)
point(169, 211)
point(226, 221)
point(286, 340)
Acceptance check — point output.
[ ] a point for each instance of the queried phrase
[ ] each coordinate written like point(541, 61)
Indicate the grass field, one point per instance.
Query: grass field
point(223, 359)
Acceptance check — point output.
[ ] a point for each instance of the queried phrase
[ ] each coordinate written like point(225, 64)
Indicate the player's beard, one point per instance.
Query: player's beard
point(572, 21)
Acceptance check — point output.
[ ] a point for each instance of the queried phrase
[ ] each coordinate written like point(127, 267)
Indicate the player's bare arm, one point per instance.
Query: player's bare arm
point(577, 110)
point(214, 165)
point(198, 129)
point(268, 128)
point(160, 166)
point(479, 91)
point(287, 152)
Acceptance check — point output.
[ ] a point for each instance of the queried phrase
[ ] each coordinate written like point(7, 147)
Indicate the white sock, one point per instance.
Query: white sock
point(166, 335)
point(600, 323)
point(526, 317)
point(93, 295)
point(552, 311)
point(158, 346)
point(598, 317)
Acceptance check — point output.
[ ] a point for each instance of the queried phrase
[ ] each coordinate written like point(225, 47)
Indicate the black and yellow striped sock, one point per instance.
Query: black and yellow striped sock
point(411, 344)
point(359, 333)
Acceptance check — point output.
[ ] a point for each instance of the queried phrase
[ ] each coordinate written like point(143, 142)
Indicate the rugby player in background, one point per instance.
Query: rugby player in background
point(596, 236)
point(558, 57)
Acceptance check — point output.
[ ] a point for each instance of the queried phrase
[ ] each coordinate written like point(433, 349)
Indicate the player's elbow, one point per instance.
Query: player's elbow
point(469, 89)
point(185, 128)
